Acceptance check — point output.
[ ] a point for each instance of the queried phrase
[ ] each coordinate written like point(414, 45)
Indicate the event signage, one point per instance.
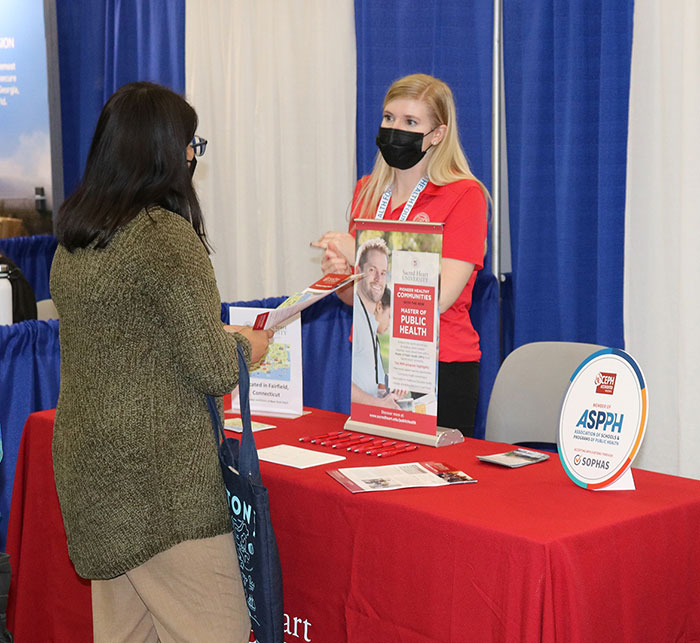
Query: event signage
point(603, 420)
point(26, 185)
point(276, 382)
point(395, 334)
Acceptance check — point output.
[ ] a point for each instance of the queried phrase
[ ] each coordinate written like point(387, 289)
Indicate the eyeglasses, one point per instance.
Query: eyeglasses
point(199, 145)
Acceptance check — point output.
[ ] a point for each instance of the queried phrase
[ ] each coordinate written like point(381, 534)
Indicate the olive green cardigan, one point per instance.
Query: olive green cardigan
point(142, 342)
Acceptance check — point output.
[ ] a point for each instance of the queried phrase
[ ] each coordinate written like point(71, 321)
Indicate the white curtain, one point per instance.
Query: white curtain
point(274, 84)
point(662, 269)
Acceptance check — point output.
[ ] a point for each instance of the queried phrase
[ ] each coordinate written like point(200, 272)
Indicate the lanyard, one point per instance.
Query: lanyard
point(420, 186)
point(375, 342)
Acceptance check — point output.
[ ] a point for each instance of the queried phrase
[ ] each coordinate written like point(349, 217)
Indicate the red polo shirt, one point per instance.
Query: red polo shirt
point(461, 208)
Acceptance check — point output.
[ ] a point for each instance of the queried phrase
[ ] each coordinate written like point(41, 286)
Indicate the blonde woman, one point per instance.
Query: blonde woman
point(423, 170)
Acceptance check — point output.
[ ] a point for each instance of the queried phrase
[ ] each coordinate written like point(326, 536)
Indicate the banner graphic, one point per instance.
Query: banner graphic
point(603, 420)
point(396, 325)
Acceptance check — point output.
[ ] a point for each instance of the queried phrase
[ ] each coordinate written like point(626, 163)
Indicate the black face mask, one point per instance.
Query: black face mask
point(401, 149)
point(193, 164)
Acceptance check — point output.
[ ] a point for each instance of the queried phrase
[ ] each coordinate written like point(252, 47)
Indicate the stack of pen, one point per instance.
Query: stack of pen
point(360, 443)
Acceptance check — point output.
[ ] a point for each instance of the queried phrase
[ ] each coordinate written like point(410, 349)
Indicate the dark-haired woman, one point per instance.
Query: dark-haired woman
point(142, 343)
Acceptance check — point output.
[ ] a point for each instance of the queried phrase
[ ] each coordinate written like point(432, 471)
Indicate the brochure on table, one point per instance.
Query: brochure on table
point(395, 351)
point(297, 457)
point(276, 387)
point(236, 424)
point(603, 420)
point(515, 458)
point(399, 476)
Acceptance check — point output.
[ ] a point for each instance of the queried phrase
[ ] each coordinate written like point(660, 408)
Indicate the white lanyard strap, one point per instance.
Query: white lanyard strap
point(381, 209)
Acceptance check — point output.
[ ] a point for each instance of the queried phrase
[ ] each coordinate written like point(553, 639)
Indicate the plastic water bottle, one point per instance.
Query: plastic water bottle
point(5, 295)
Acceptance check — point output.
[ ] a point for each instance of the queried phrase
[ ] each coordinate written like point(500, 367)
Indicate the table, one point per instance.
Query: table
point(523, 555)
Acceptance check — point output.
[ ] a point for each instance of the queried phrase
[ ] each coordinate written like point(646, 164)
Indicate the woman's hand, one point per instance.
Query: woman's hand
point(338, 258)
point(259, 340)
point(343, 244)
point(334, 262)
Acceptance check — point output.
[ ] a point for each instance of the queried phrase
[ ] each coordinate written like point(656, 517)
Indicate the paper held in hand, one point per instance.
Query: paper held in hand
point(303, 299)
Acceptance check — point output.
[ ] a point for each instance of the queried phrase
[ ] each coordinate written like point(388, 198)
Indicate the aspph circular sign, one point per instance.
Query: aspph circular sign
point(603, 418)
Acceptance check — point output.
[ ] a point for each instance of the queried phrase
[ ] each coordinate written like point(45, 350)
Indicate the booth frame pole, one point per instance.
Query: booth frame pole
point(496, 138)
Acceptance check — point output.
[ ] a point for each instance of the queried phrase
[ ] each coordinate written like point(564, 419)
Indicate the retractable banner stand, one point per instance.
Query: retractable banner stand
point(603, 420)
point(396, 325)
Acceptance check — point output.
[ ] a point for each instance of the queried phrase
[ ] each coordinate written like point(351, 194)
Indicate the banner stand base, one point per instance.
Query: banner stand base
point(443, 438)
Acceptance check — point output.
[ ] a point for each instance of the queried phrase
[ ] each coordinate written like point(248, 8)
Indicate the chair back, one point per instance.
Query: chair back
point(529, 390)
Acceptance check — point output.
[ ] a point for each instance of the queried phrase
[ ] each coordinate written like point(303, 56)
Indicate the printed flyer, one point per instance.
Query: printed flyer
point(515, 458)
point(399, 476)
point(396, 325)
point(603, 420)
point(276, 386)
point(303, 299)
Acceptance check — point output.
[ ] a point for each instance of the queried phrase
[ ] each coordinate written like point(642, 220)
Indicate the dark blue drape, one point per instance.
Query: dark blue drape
point(450, 39)
point(33, 256)
point(29, 381)
point(104, 45)
point(325, 331)
point(567, 72)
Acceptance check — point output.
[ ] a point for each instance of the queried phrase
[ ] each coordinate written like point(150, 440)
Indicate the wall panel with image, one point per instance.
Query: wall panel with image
point(27, 175)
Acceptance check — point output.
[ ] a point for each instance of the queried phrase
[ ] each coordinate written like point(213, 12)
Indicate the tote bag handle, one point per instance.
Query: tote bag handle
point(248, 463)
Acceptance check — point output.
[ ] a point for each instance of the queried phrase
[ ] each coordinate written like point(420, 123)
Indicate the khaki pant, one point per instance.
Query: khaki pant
point(189, 593)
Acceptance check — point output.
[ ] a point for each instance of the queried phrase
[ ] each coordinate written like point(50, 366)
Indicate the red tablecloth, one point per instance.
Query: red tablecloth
point(523, 555)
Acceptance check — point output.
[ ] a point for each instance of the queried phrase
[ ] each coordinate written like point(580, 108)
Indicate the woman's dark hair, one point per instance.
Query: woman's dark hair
point(137, 160)
point(385, 301)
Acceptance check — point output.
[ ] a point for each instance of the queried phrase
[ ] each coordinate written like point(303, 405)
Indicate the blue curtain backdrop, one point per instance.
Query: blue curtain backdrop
point(567, 73)
point(29, 381)
point(450, 39)
point(104, 45)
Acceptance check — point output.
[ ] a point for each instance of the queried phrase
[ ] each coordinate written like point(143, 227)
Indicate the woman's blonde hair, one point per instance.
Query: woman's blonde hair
point(447, 163)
